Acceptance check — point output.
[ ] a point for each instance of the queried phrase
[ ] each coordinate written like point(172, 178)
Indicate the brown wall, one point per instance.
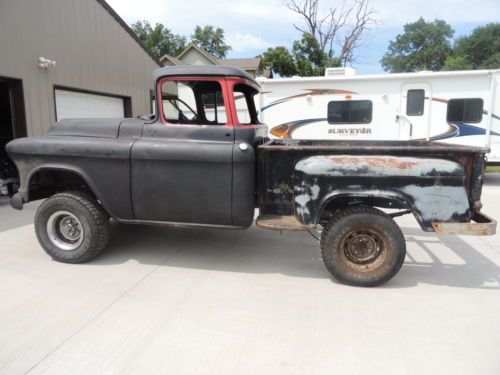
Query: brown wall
point(92, 52)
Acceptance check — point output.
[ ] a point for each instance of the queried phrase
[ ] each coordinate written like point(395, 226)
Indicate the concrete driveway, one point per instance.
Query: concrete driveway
point(190, 301)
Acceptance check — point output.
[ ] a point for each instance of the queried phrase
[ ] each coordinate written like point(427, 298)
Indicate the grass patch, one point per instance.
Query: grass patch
point(493, 169)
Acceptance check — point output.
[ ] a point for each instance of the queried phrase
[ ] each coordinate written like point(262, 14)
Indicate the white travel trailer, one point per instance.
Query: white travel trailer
point(461, 107)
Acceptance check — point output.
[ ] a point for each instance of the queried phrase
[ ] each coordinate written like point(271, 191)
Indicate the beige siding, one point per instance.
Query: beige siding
point(92, 52)
point(193, 57)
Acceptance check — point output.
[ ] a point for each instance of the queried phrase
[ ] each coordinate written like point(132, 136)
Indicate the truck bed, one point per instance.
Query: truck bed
point(387, 174)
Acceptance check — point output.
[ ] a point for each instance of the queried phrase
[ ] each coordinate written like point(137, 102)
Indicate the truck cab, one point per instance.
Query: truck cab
point(202, 140)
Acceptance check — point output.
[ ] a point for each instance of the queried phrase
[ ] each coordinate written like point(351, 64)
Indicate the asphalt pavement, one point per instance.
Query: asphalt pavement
point(211, 301)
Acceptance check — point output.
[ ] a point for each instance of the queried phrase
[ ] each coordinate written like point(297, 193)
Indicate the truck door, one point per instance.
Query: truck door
point(182, 165)
point(248, 133)
point(414, 117)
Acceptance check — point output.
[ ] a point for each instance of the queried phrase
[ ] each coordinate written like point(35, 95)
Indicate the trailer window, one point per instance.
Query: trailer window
point(350, 112)
point(415, 102)
point(465, 110)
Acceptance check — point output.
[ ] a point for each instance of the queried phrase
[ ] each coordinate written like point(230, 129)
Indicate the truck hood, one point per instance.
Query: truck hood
point(92, 127)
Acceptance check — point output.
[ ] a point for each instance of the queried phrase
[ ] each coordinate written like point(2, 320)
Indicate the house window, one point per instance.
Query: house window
point(350, 112)
point(465, 110)
point(415, 102)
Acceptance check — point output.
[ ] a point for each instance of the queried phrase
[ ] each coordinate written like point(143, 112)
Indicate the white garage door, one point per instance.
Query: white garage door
point(71, 104)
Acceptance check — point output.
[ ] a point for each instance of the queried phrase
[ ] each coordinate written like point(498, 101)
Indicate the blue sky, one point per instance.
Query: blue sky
point(253, 26)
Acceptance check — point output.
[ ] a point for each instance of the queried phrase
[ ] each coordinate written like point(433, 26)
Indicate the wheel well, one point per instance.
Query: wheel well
point(348, 201)
point(47, 182)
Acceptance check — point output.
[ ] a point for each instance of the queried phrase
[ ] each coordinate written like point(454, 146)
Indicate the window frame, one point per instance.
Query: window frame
point(464, 120)
point(219, 80)
point(415, 114)
point(249, 102)
point(350, 122)
point(235, 81)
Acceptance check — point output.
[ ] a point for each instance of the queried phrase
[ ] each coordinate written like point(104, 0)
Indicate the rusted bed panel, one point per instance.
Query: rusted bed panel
point(409, 173)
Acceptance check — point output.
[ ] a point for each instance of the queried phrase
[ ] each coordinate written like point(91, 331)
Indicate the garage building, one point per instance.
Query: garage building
point(68, 58)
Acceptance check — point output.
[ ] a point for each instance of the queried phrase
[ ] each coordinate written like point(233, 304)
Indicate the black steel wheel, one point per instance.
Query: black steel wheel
point(362, 246)
point(72, 227)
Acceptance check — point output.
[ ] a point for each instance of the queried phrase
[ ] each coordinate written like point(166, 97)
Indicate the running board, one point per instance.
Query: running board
point(275, 222)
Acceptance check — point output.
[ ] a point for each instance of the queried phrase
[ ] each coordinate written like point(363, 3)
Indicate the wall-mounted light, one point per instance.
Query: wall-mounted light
point(45, 63)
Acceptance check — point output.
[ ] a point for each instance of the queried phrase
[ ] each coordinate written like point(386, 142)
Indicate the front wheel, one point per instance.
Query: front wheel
point(362, 246)
point(72, 227)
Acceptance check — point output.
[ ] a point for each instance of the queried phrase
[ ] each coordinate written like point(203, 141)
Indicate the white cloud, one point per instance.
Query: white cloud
point(245, 42)
point(181, 16)
point(252, 26)
point(397, 13)
point(274, 21)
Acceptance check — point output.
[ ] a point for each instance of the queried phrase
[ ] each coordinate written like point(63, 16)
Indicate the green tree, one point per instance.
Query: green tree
point(310, 59)
point(280, 61)
point(456, 63)
point(159, 39)
point(480, 49)
point(423, 46)
point(211, 39)
point(307, 58)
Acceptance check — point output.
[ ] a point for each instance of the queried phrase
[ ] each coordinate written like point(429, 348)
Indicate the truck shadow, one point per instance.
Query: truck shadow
point(294, 254)
point(446, 260)
point(492, 179)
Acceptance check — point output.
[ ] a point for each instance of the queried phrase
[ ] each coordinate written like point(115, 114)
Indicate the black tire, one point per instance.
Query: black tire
point(362, 246)
point(72, 227)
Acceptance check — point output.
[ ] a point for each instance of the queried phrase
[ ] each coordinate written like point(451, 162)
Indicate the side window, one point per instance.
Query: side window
point(244, 101)
point(350, 112)
point(178, 103)
point(169, 93)
point(213, 107)
point(415, 102)
point(186, 101)
point(242, 108)
point(465, 110)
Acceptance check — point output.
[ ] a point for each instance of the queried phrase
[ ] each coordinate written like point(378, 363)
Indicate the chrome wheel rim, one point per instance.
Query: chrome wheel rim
point(65, 230)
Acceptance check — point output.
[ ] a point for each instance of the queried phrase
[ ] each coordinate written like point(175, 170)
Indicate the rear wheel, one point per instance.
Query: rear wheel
point(362, 246)
point(72, 227)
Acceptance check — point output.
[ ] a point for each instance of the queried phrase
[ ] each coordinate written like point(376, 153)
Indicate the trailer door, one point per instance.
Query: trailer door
point(416, 110)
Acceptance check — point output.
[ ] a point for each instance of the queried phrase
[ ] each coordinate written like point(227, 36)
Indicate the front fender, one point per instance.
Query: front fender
point(103, 163)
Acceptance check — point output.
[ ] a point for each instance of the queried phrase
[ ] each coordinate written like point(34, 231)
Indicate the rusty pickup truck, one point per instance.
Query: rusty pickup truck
point(204, 160)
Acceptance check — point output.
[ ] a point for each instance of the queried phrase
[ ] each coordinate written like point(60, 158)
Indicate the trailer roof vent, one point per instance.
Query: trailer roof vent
point(335, 72)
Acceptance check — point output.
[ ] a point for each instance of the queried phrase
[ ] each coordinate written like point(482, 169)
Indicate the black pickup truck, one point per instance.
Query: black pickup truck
point(205, 160)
